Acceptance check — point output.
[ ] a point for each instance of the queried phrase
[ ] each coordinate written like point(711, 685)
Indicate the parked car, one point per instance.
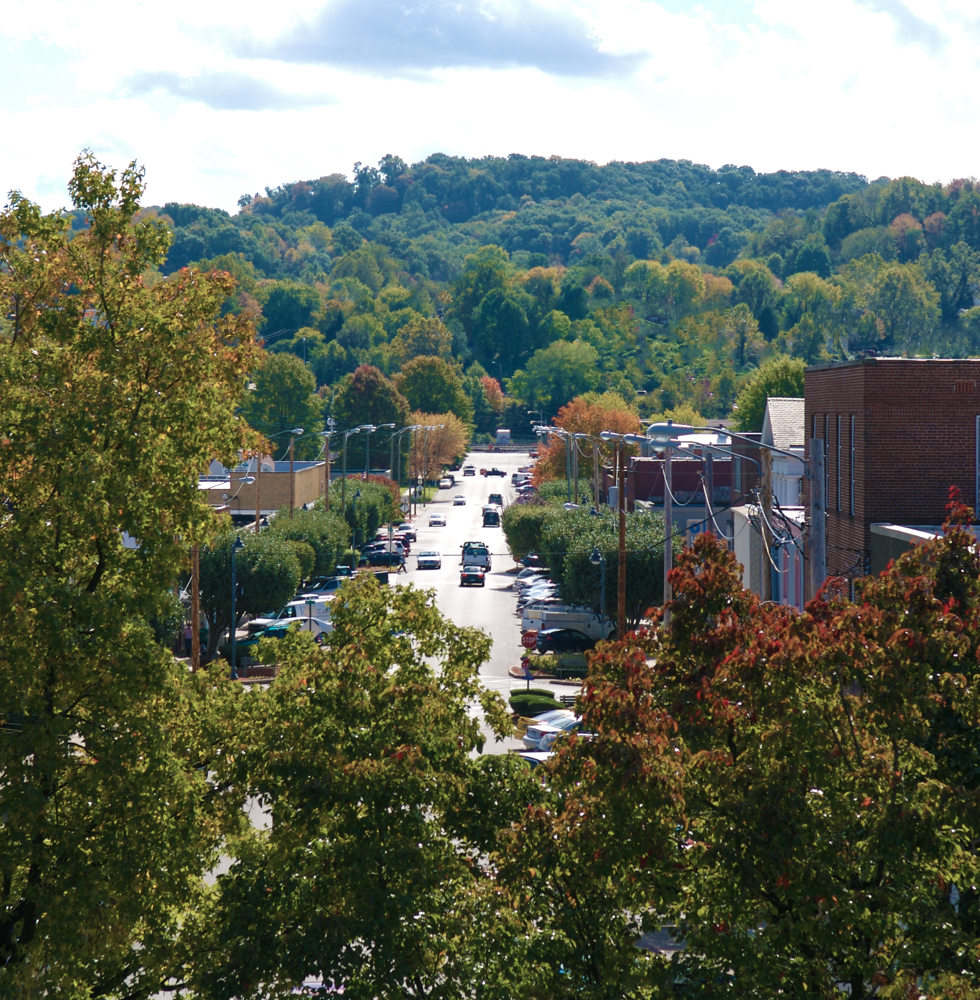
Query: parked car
point(445, 484)
point(459, 500)
point(406, 531)
point(323, 585)
point(472, 576)
point(532, 738)
point(550, 740)
point(534, 758)
point(531, 561)
point(437, 520)
point(428, 559)
point(469, 470)
point(385, 555)
point(563, 640)
point(545, 718)
point(532, 454)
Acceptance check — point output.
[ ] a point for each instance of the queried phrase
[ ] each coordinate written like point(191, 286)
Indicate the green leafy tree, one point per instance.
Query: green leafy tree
point(432, 385)
point(285, 397)
point(758, 291)
point(116, 394)
point(780, 376)
point(501, 329)
point(324, 531)
point(523, 526)
point(267, 573)
point(557, 374)
point(483, 272)
point(421, 336)
point(361, 753)
point(367, 397)
point(287, 306)
point(569, 538)
point(364, 513)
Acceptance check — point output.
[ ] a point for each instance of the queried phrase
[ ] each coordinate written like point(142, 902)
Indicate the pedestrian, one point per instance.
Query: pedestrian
point(188, 636)
point(402, 568)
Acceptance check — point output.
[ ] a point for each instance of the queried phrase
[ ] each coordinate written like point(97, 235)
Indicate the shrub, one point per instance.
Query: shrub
point(534, 705)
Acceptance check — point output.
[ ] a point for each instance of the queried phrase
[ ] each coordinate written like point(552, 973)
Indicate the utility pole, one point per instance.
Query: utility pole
point(595, 472)
point(568, 466)
point(258, 490)
point(574, 444)
point(292, 478)
point(668, 531)
point(818, 516)
point(765, 498)
point(195, 607)
point(709, 490)
point(621, 590)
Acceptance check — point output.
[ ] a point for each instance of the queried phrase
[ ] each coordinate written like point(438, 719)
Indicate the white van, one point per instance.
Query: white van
point(540, 616)
point(476, 554)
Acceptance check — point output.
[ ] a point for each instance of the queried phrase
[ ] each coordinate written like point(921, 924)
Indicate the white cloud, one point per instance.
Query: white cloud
point(877, 86)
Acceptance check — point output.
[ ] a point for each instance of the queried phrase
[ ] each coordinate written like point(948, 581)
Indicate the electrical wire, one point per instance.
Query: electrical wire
point(711, 514)
point(674, 499)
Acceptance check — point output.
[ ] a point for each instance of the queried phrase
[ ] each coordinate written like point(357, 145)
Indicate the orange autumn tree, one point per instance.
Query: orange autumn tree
point(591, 413)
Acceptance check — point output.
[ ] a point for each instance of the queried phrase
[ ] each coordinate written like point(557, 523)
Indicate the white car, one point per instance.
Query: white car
point(437, 520)
point(532, 738)
point(459, 500)
point(445, 484)
point(428, 560)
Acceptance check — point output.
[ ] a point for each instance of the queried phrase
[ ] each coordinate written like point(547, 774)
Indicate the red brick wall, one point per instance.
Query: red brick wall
point(914, 436)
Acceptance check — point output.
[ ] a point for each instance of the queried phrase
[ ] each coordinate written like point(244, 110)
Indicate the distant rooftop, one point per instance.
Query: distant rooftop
point(784, 425)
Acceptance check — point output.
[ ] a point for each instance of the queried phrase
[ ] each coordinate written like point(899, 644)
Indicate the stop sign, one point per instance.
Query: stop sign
point(529, 640)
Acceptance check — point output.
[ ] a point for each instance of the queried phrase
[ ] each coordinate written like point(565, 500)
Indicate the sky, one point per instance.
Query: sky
point(220, 98)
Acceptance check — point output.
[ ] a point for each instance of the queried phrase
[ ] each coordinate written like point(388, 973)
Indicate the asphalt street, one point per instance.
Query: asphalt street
point(491, 607)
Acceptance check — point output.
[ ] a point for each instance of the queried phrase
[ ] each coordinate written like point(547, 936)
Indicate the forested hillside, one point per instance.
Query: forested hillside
point(551, 278)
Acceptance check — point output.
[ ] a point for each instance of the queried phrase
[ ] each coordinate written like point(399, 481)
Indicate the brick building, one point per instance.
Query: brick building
point(897, 434)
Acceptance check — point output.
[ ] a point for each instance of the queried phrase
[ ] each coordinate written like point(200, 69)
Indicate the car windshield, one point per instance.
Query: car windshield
point(549, 718)
point(427, 553)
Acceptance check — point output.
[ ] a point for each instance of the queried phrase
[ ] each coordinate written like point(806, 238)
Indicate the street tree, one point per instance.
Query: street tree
point(439, 445)
point(117, 393)
point(324, 531)
point(433, 385)
point(285, 397)
point(366, 396)
point(362, 755)
point(591, 413)
point(825, 816)
point(267, 573)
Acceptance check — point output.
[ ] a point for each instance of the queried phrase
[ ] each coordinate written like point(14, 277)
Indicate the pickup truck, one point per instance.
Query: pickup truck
point(476, 554)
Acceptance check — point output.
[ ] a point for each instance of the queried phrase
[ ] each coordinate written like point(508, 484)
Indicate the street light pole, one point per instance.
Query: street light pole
point(598, 559)
point(343, 478)
point(236, 546)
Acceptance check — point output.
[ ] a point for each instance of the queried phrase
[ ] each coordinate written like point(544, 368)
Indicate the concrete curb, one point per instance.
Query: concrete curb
point(518, 674)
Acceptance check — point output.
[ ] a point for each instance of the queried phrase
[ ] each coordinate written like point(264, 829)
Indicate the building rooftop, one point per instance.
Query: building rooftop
point(784, 425)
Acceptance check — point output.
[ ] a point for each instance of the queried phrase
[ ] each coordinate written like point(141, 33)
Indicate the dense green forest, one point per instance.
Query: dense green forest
point(665, 282)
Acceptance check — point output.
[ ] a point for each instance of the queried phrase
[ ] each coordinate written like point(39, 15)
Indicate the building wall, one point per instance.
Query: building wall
point(274, 489)
point(898, 433)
